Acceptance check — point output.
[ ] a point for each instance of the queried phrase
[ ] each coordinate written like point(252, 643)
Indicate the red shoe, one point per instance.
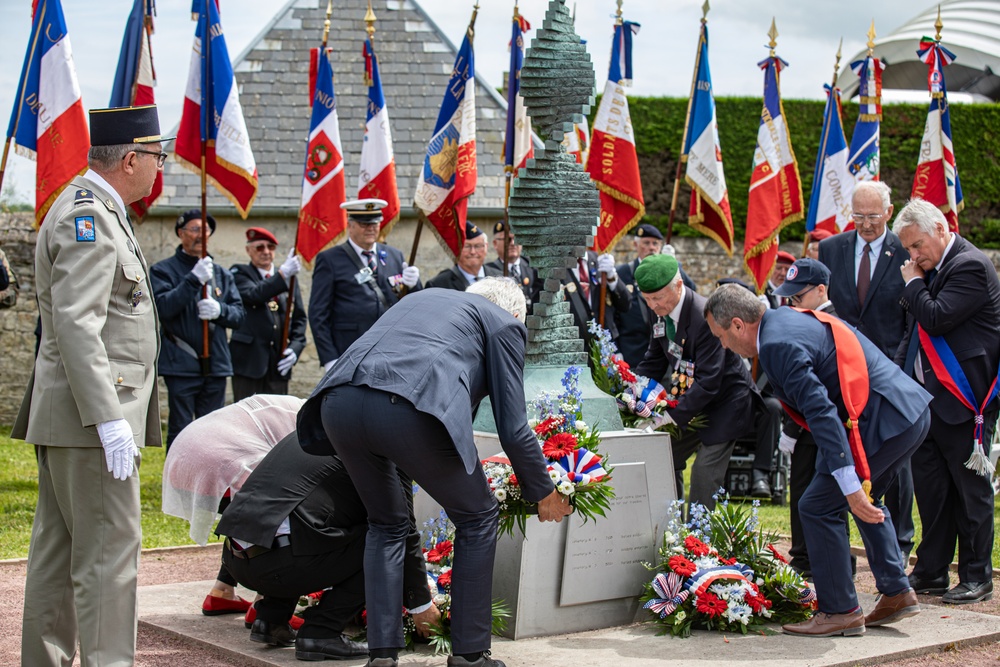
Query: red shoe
point(215, 606)
point(295, 621)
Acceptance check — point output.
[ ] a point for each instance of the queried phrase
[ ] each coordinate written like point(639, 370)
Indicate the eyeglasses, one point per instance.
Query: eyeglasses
point(474, 247)
point(160, 157)
point(871, 217)
point(796, 299)
point(194, 231)
point(261, 247)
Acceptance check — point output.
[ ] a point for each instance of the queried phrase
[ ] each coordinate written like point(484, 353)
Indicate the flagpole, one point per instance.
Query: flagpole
point(207, 110)
point(20, 100)
point(508, 167)
point(682, 159)
point(826, 130)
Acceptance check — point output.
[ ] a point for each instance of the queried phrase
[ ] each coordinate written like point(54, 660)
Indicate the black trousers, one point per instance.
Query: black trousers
point(767, 427)
point(272, 383)
point(282, 578)
point(955, 504)
point(190, 398)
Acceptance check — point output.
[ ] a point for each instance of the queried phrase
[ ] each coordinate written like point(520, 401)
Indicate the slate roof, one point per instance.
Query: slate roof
point(415, 60)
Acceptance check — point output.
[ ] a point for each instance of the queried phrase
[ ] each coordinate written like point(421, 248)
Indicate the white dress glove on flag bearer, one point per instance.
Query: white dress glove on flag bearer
point(411, 275)
point(291, 266)
point(786, 444)
point(287, 361)
point(209, 309)
point(203, 269)
point(606, 265)
point(119, 445)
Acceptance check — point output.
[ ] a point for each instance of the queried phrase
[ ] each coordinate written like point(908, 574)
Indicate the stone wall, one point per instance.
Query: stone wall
point(702, 259)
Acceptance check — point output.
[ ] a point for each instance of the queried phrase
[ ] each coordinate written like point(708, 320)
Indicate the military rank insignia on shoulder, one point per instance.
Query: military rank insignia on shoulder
point(85, 229)
point(83, 197)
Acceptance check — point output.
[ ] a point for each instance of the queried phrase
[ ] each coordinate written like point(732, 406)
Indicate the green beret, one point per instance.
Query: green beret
point(655, 272)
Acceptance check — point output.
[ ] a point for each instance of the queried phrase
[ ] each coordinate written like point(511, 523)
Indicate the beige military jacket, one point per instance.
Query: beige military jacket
point(97, 358)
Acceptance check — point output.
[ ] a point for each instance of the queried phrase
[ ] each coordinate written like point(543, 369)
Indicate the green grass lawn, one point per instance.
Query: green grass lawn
point(19, 492)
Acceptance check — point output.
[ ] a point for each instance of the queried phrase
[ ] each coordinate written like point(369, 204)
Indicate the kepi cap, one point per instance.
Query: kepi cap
point(645, 231)
point(255, 234)
point(803, 273)
point(655, 272)
point(125, 125)
point(188, 216)
point(365, 211)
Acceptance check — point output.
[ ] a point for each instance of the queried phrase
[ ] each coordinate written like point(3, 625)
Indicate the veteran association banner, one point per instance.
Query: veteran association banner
point(830, 201)
point(517, 140)
point(377, 176)
point(864, 154)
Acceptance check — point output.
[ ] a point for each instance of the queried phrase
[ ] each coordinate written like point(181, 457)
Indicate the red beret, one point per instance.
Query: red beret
point(785, 257)
point(260, 234)
point(819, 234)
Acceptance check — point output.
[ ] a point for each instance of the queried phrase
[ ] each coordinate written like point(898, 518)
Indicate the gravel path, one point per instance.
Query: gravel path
point(200, 564)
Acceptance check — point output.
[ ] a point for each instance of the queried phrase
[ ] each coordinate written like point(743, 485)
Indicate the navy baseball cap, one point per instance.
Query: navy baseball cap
point(803, 273)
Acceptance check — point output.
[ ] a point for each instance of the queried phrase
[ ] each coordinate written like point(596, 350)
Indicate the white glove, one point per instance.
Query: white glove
point(203, 269)
point(411, 275)
point(291, 266)
point(606, 265)
point(287, 361)
point(119, 445)
point(328, 365)
point(786, 444)
point(209, 309)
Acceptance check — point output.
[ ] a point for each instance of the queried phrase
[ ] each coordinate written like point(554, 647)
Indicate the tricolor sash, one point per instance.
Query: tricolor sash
point(950, 374)
point(852, 371)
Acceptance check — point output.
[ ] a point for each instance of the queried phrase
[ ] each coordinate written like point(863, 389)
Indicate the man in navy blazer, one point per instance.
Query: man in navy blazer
point(799, 355)
point(355, 282)
point(874, 249)
point(952, 292)
point(715, 381)
point(518, 266)
point(405, 394)
point(470, 265)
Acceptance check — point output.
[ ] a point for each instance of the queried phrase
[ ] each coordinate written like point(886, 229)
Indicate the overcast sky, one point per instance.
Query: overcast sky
point(663, 58)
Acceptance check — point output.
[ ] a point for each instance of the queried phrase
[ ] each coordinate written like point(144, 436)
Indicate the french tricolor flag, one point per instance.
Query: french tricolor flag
point(212, 113)
point(321, 220)
point(448, 178)
point(577, 142)
point(377, 178)
point(135, 78)
point(48, 124)
point(833, 182)
point(612, 162)
point(863, 155)
point(517, 140)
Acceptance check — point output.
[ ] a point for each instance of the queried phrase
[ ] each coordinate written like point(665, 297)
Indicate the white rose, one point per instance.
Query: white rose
point(501, 495)
point(581, 425)
point(554, 475)
point(566, 488)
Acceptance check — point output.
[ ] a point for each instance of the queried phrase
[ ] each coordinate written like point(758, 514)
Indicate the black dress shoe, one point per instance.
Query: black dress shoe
point(760, 488)
point(275, 634)
point(331, 648)
point(969, 592)
point(935, 586)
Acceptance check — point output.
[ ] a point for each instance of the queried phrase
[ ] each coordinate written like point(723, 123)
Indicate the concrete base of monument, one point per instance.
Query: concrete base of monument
point(575, 576)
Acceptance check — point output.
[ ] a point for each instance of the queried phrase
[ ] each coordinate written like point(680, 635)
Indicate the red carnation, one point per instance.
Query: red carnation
point(681, 566)
point(547, 426)
point(444, 580)
point(776, 553)
point(623, 369)
point(695, 546)
point(513, 480)
point(559, 445)
point(710, 605)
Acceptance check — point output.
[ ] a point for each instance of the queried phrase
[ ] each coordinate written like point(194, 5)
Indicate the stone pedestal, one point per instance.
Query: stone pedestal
point(571, 576)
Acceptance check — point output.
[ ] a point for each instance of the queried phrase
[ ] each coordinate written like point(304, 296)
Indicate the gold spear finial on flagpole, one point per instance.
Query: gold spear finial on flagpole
point(836, 65)
point(370, 20)
point(938, 25)
point(773, 34)
point(326, 23)
point(472, 23)
point(618, 13)
point(704, 11)
point(871, 39)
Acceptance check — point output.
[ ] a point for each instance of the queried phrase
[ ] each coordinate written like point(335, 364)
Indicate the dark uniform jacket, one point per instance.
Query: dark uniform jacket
point(256, 345)
point(340, 308)
point(177, 292)
point(585, 310)
point(531, 284)
point(453, 278)
point(323, 508)
point(635, 325)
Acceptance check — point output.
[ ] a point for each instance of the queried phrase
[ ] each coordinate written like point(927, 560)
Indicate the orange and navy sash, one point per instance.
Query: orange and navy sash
point(852, 371)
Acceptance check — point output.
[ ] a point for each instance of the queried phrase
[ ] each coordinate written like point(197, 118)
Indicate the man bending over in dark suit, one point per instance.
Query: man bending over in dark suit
point(828, 376)
point(404, 394)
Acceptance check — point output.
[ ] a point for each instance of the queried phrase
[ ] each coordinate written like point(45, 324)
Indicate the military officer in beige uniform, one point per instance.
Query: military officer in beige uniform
point(91, 402)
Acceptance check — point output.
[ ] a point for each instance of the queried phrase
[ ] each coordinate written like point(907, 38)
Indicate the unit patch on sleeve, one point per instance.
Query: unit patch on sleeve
point(85, 229)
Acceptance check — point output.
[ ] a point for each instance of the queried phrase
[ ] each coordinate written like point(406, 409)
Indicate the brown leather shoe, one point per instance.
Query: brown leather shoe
point(889, 609)
point(827, 625)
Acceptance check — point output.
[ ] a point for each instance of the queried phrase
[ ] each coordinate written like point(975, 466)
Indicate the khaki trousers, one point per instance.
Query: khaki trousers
point(82, 563)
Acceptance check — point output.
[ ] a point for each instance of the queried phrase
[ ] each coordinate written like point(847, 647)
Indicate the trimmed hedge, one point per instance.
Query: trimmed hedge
point(659, 126)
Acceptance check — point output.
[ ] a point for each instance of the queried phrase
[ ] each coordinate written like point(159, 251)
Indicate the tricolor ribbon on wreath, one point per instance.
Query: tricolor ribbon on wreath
point(669, 588)
point(580, 466)
point(699, 582)
point(949, 373)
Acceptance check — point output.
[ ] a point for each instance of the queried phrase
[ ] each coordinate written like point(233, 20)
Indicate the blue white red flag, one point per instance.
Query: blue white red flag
point(448, 178)
point(612, 161)
point(709, 212)
point(212, 113)
point(321, 220)
point(377, 177)
point(936, 179)
point(775, 189)
point(517, 140)
point(830, 202)
point(863, 156)
point(135, 78)
point(48, 124)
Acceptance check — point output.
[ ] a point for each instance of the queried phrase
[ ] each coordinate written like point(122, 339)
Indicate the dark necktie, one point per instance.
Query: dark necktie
point(670, 328)
point(515, 272)
point(864, 274)
point(370, 257)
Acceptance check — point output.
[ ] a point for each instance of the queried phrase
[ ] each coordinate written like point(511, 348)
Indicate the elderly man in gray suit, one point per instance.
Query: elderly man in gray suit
point(91, 402)
point(404, 394)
